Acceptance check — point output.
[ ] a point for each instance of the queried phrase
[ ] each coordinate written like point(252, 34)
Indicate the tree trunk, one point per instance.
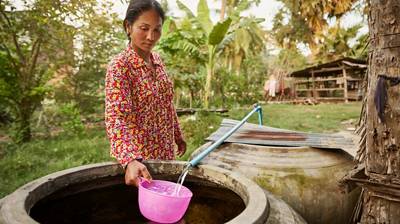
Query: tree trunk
point(210, 74)
point(222, 13)
point(191, 98)
point(177, 98)
point(222, 92)
point(23, 122)
point(25, 128)
point(382, 163)
point(208, 87)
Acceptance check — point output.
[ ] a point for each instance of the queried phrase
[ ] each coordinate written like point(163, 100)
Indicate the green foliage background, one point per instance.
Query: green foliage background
point(54, 55)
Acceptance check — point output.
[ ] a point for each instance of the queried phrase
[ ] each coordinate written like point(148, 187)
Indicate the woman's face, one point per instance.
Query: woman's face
point(145, 31)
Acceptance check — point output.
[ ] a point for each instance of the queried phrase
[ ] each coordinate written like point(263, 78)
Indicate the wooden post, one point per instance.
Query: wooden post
point(346, 96)
point(313, 85)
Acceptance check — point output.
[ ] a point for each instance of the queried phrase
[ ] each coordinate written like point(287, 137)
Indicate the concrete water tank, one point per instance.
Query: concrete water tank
point(304, 177)
point(96, 194)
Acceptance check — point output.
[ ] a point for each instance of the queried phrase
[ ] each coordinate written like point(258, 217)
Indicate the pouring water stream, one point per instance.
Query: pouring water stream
point(181, 179)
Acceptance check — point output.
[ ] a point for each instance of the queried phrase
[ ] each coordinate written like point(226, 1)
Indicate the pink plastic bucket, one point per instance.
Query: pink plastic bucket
point(158, 203)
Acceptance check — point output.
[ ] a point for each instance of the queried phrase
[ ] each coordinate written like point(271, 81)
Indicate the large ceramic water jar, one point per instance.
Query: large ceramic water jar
point(304, 177)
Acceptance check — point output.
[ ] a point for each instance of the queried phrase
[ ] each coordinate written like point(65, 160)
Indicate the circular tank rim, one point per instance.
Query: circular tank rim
point(269, 165)
point(15, 206)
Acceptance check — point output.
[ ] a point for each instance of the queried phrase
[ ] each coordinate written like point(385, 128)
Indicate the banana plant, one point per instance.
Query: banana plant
point(214, 34)
point(247, 38)
point(232, 39)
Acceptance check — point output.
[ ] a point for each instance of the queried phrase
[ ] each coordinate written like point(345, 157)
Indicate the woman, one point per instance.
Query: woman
point(141, 120)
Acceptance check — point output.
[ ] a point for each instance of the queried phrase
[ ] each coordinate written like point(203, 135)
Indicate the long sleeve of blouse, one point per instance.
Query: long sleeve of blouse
point(118, 113)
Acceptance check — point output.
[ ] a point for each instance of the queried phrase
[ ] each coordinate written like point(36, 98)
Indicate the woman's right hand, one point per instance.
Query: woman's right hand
point(134, 171)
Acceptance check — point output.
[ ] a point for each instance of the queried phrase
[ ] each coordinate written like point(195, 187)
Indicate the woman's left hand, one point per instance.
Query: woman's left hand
point(181, 147)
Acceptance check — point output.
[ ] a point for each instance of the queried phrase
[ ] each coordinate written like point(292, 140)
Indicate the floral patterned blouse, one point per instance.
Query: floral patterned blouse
point(140, 117)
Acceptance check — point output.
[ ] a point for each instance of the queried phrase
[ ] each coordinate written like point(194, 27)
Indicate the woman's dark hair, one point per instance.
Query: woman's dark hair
point(137, 7)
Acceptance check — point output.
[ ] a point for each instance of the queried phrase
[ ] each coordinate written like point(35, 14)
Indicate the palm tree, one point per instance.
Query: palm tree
point(307, 21)
point(335, 43)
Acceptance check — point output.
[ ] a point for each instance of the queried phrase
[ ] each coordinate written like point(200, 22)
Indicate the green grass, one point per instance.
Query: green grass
point(324, 118)
point(20, 164)
point(196, 128)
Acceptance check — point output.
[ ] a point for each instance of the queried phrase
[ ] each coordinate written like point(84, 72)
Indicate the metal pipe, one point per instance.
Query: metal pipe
point(199, 157)
point(260, 116)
